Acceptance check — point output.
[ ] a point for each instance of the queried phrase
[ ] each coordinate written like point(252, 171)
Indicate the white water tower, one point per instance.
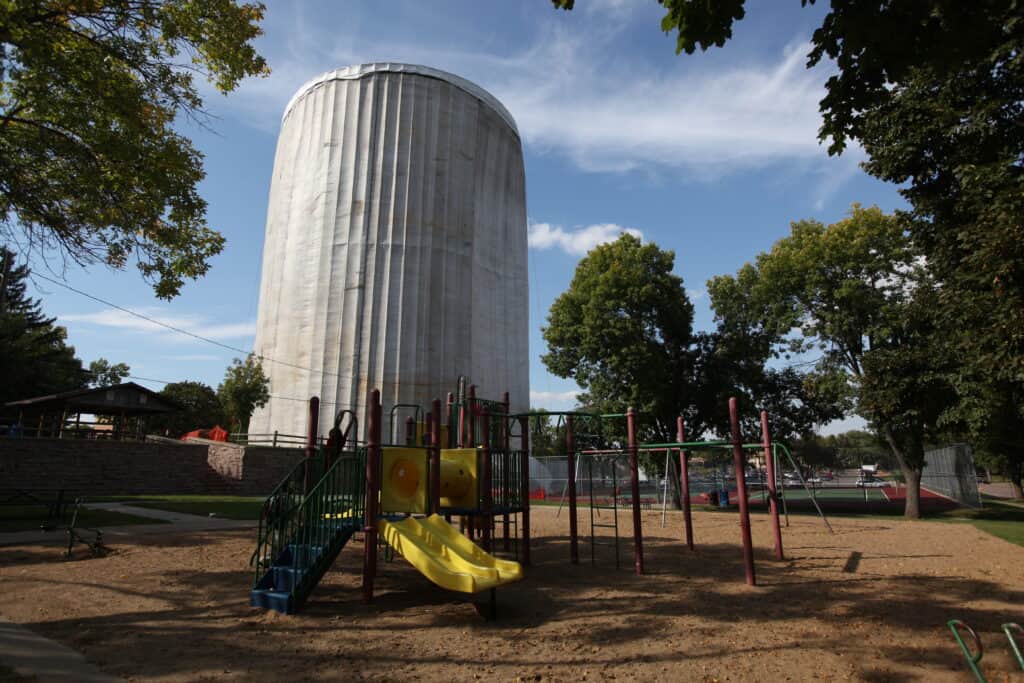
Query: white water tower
point(395, 254)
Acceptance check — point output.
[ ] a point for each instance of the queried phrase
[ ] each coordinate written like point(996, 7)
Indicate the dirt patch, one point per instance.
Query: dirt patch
point(867, 603)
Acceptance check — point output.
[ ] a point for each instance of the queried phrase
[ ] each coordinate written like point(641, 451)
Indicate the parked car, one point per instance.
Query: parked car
point(868, 482)
point(827, 475)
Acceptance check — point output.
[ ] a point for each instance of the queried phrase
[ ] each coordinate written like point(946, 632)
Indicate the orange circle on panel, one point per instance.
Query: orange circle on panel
point(405, 477)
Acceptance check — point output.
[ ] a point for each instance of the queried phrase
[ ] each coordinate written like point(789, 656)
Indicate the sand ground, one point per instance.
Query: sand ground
point(868, 603)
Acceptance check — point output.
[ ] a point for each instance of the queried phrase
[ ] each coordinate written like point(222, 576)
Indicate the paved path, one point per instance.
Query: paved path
point(44, 660)
point(999, 490)
point(174, 522)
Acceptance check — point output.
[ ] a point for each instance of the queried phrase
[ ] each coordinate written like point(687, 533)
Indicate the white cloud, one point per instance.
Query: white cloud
point(696, 294)
point(196, 324)
point(616, 9)
point(554, 400)
point(844, 425)
point(576, 242)
point(575, 90)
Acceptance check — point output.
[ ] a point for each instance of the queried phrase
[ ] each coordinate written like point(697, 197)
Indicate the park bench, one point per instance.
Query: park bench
point(89, 537)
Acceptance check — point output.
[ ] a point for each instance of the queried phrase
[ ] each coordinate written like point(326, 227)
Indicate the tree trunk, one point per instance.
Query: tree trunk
point(674, 484)
point(1015, 481)
point(913, 481)
point(911, 475)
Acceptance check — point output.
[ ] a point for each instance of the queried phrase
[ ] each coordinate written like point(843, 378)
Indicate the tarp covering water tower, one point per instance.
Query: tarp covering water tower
point(395, 254)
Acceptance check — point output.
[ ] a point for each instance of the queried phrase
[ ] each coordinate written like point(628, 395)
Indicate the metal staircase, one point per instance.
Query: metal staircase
point(300, 534)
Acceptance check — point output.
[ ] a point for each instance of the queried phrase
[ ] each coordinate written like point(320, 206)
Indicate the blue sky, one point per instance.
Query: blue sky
point(710, 155)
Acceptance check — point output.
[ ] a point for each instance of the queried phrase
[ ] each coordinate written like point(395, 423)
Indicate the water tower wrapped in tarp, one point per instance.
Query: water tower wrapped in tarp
point(395, 249)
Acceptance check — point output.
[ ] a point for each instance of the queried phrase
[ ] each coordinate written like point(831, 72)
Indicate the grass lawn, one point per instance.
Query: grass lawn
point(1004, 520)
point(1001, 519)
point(32, 517)
point(226, 507)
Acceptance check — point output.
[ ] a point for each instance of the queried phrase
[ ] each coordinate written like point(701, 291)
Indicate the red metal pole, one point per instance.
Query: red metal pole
point(740, 464)
point(773, 502)
point(485, 478)
point(684, 480)
point(372, 492)
point(570, 452)
point(524, 465)
point(435, 458)
point(634, 467)
point(312, 428)
point(471, 418)
point(451, 421)
point(506, 482)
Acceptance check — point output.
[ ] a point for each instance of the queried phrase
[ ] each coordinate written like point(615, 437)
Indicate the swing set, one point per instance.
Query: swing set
point(610, 458)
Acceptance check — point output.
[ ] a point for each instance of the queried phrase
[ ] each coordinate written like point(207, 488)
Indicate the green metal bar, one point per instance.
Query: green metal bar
point(697, 445)
point(1008, 630)
point(556, 414)
point(796, 469)
point(972, 659)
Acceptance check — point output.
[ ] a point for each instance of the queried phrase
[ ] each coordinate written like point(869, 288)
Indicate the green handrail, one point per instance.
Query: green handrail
point(337, 501)
point(285, 496)
point(1008, 629)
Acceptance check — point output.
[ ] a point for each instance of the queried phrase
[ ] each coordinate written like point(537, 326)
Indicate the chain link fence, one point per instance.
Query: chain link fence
point(950, 471)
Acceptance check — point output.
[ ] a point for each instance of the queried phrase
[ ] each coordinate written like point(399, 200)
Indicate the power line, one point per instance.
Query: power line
point(179, 330)
point(163, 381)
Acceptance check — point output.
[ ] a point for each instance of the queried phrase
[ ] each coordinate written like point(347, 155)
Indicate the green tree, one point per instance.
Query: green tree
point(857, 447)
point(91, 161)
point(547, 435)
point(200, 408)
point(857, 293)
point(35, 359)
point(992, 415)
point(938, 110)
point(734, 362)
point(104, 374)
point(244, 389)
point(622, 331)
point(814, 452)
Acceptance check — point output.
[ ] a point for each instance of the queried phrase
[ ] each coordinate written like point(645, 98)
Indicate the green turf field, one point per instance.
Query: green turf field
point(32, 517)
point(870, 495)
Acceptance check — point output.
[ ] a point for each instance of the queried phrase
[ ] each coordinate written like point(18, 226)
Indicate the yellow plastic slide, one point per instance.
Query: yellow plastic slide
point(445, 556)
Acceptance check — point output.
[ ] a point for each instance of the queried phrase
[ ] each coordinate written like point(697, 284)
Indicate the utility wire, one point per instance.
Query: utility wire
point(163, 381)
point(178, 329)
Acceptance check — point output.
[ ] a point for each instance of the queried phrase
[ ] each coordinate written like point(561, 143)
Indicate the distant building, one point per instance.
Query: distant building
point(120, 413)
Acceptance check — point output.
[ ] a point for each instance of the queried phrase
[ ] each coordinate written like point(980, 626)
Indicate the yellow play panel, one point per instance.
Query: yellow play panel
point(403, 486)
point(446, 557)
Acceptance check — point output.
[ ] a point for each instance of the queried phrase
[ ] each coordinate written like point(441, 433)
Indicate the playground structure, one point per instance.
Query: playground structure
point(610, 500)
point(401, 489)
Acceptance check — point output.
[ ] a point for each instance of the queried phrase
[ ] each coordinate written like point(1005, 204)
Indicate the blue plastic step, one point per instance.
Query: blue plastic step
point(276, 589)
point(279, 601)
point(298, 555)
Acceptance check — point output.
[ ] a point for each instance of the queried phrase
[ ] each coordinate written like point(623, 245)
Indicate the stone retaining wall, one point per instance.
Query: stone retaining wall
point(88, 467)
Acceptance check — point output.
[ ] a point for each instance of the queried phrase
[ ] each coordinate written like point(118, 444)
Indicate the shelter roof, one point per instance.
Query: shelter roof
point(127, 399)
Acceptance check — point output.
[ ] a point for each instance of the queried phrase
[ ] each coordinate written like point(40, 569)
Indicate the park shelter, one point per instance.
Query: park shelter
point(113, 412)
